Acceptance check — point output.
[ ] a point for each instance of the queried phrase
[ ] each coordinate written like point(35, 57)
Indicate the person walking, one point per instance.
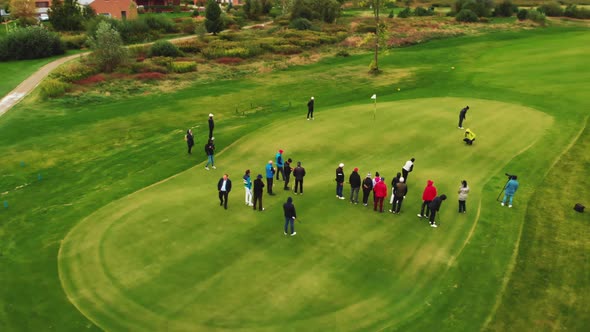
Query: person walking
point(258, 190)
point(462, 116)
point(339, 181)
point(190, 140)
point(224, 187)
point(310, 105)
point(407, 168)
point(210, 151)
point(401, 189)
point(248, 188)
point(355, 185)
point(299, 174)
point(463, 191)
point(367, 188)
point(510, 190)
point(270, 172)
point(280, 164)
point(211, 125)
point(427, 196)
point(435, 207)
point(288, 170)
point(469, 137)
point(380, 190)
point(290, 216)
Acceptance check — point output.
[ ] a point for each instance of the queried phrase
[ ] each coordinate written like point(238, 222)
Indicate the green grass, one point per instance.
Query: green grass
point(348, 269)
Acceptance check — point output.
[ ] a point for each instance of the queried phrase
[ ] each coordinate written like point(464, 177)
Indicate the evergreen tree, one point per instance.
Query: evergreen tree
point(213, 22)
point(66, 15)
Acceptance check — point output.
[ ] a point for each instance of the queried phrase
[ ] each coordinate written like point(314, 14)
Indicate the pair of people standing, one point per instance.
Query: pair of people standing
point(399, 192)
point(256, 193)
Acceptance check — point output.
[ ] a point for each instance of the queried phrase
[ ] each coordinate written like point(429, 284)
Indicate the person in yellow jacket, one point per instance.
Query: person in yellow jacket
point(469, 137)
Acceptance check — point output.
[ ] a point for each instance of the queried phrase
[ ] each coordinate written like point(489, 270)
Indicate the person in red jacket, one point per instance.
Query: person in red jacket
point(427, 196)
point(380, 191)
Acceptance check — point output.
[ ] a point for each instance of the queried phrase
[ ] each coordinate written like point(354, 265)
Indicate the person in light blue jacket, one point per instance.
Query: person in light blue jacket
point(270, 172)
point(280, 163)
point(510, 190)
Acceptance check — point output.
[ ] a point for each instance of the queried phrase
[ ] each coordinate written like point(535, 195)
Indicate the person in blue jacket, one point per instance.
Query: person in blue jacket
point(280, 164)
point(510, 190)
point(270, 172)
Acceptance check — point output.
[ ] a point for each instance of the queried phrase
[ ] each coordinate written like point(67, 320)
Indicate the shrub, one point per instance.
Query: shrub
point(522, 14)
point(481, 8)
point(51, 88)
point(150, 76)
point(183, 66)
point(162, 61)
point(188, 26)
point(72, 72)
point(405, 13)
point(158, 22)
point(148, 67)
point(213, 21)
point(136, 31)
point(504, 9)
point(74, 42)
point(343, 53)
point(190, 46)
point(466, 15)
point(536, 16)
point(287, 49)
point(366, 28)
point(139, 51)
point(108, 48)
point(98, 78)
point(164, 48)
point(391, 14)
point(29, 43)
point(300, 24)
point(574, 12)
point(421, 11)
point(552, 9)
point(195, 13)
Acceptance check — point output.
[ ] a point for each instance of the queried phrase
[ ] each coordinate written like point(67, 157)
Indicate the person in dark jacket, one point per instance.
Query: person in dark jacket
point(380, 190)
point(395, 180)
point(287, 170)
point(355, 185)
point(190, 140)
point(280, 164)
point(339, 181)
point(258, 190)
point(427, 196)
point(462, 116)
point(290, 216)
point(434, 207)
point(210, 150)
point(400, 191)
point(211, 125)
point(224, 187)
point(299, 174)
point(367, 188)
point(310, 105)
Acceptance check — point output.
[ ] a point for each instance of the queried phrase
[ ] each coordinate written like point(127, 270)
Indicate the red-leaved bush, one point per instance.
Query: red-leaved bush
point(150, 76)
point(229, 60)
point(92, 79)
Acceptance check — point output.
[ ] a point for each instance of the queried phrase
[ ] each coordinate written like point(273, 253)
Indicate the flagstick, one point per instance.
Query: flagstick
point(375, 110)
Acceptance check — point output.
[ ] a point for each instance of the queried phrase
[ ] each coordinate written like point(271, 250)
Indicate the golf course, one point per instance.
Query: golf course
point(109, 224)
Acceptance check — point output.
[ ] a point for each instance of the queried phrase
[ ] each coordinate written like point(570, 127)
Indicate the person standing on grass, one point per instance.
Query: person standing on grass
point(427, 196)
point(510, 190)
point(287, 169)
point(380, 190)
point(407, 168)
point(190, 140)
point(258, 190)
point(224, 187)
point(248, 188)
point(355, 185)
point(299, 174)
point(367, 188)
point(462, 116)
point(376, 179)
point(435, 207)
point(463, 191)
point(401, 189)
point(395, 181)
point(339, 181)
point(270, 172)
point(310, 105)
point(280, 164)
point(210, 150)
point(290, 216)
point(211, 125)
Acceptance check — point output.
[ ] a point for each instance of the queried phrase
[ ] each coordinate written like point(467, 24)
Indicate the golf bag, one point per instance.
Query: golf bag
point(579, 207)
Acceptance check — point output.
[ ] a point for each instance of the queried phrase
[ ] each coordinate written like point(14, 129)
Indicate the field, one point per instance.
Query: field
point(124, 231)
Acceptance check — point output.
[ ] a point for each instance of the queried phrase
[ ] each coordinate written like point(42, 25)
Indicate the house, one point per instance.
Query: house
point(149, 3)
point(119, 9)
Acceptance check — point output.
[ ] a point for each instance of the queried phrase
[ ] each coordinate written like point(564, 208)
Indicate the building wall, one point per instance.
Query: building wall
point(115, 8)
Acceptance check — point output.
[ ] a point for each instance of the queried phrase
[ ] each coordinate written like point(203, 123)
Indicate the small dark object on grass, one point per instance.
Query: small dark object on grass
point(579, 207)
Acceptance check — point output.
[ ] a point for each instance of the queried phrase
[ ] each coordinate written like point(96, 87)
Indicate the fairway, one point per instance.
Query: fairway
point(168, 257)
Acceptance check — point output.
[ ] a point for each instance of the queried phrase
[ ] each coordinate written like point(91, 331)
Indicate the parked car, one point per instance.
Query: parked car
point(43, 17)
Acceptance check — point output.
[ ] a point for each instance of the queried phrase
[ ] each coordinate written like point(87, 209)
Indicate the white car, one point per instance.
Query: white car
point(43, 17)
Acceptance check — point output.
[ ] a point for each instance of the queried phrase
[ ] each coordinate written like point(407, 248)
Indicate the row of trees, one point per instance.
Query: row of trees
point(66, 15)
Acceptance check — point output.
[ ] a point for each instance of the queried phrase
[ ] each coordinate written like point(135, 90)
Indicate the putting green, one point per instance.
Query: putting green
point(170, 258)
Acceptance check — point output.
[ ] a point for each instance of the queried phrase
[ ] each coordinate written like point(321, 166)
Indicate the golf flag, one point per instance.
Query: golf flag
point(374, 96)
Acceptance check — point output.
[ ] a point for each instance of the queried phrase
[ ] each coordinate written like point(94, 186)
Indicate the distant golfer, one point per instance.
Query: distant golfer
point(210, 151)
point(299, 174)
point(463, 191)
point(367, 188)
point(434, 207)
point(290, 216)
point(407, 168)
point(510, 190)
point(287, 170)
point(469, 137)
point(248, 188)
point(427, 196)
point(270, 172)
point(258, 191)
point(462, 116)
point(280, 164)
point(355, 185)
point(339, 181)
point(211, 125)
point(190, 140)
point(380, 190)
point(224, 187)
point(310, 105)
point(401, 189)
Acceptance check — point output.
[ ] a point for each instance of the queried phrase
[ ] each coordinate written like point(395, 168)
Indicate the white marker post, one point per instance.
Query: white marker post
point(374, 97)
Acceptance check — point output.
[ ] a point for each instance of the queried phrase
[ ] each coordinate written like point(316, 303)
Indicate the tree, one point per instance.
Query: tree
point(66, 15)
point(108, 47)
point(24, 11)
point(482, 8)
point(213, 22)
point(379, 34)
